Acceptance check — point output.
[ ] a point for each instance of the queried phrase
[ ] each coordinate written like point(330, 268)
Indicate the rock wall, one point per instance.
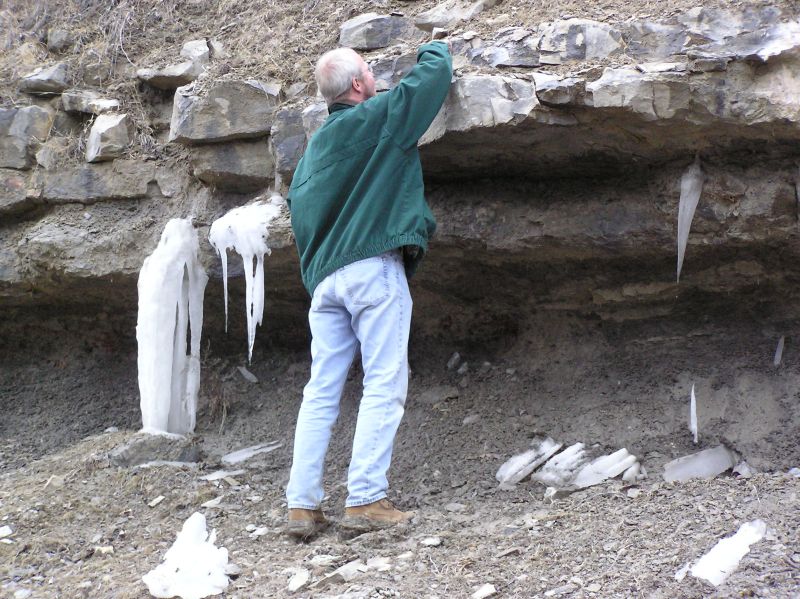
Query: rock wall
point(553, 169)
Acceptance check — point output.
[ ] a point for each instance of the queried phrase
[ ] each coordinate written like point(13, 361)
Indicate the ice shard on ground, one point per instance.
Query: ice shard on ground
point(719, 563)
point(603, 468)
point(171, 286)
point(193, 567)
point(521, 465)
point(245, 230)
point(561, 469)
point(704, 464)
point(691, 188)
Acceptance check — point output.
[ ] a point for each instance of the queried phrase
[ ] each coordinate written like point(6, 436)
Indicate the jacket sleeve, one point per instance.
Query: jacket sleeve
point(415, 101)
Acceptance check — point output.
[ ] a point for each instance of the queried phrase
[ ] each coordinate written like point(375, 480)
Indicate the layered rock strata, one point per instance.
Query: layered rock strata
point(554, 168)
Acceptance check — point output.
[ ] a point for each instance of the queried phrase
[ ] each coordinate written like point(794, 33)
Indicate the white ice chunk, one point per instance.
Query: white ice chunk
point(248, 452)
point(704, 464)
point(776, 361)
point(633, 473)
point(719, 563)
point(193, 567)
point(246, 230)
point(604, 467)
point(171, 286)
point(691, 188)
point(220, 474)
point(561, 469)
point(521, 465)
point(693, 416)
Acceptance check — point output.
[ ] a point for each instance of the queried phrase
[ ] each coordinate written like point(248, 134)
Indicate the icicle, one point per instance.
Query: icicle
point(691, 187)
point(171, 286)
point(693, 416)
point(776, 361)
point(245, 230)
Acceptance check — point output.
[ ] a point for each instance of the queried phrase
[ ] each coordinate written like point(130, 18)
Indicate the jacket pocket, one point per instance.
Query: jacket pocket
point(366, 281)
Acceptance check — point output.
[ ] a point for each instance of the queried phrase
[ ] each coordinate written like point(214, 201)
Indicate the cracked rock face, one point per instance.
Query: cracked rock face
point(556, 187)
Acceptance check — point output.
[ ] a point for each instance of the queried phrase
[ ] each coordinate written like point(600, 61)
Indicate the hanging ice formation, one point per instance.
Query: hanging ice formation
point(691, 187)
point(693, 416)
point(171, 286)
point(245, 230)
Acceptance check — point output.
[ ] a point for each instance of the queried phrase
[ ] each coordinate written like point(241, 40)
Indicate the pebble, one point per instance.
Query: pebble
point(455, 507)
point(471, 419)
point(431, 541)
point(454, 361)
point(594, 587)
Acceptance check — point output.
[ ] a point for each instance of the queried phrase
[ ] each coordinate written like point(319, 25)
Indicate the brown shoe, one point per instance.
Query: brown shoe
point(374, 516)
point(304, 523)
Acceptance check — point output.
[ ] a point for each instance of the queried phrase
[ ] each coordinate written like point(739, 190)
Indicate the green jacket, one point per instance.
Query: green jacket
point(357, 191)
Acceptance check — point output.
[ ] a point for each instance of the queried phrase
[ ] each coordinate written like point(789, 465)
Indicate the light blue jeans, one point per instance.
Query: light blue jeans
point(366, 302)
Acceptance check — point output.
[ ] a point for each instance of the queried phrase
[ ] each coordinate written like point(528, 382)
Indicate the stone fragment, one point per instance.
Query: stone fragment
point(87, 102)
point(431, 541)
point(58, 40)
point(371, 31)
point(21, 130)
point(230, 110)
point(437, 394)
point(171, 77)
point(109, 136)
point(14, 196)
point(241, 455)
point(561, 92)
point(454, 361)
point(704, 464)
point(313, 117)
point(521, 465)
point(239, 166)
point(218, 50)
point(121, 179)
point(653, 96)
point(288, 139)
point(578, 39)
point(155, 501)
point(5, 531)
point(448, 14)
point(654, 40)
point(196, 51)
point(142, 448)
point(51, 153)
point(46, 80)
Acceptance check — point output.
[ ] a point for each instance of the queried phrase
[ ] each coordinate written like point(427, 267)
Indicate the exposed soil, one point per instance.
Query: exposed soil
point(606, 385)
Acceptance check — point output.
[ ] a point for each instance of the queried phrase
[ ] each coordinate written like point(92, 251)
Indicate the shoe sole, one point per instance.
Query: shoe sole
point(305, 530)
point(363, 524)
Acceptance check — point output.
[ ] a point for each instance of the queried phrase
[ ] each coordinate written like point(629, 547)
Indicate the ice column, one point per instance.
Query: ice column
point(245, 230)
point(691, 188)
point(171, 286)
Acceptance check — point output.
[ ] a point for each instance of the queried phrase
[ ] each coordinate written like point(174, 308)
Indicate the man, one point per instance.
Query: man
point(362, 225)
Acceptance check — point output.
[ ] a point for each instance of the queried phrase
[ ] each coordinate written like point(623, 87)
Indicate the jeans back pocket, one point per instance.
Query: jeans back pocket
point(367, 281)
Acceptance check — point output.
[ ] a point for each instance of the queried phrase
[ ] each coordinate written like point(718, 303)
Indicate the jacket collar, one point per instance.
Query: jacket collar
point(337, 106)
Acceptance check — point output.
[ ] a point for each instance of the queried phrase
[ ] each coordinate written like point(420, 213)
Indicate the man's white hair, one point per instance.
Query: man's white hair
point(335, 71)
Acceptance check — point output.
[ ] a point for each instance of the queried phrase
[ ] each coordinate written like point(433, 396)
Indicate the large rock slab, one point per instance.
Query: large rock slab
point(14, 192)
point(371, 31)
point(121, 179)
point(241, 166)
point(447, 14)
point(172, 76)
point(21, 130)
point(87, 102)
point(229, 110)
point(46, 80)
point(109, 136)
